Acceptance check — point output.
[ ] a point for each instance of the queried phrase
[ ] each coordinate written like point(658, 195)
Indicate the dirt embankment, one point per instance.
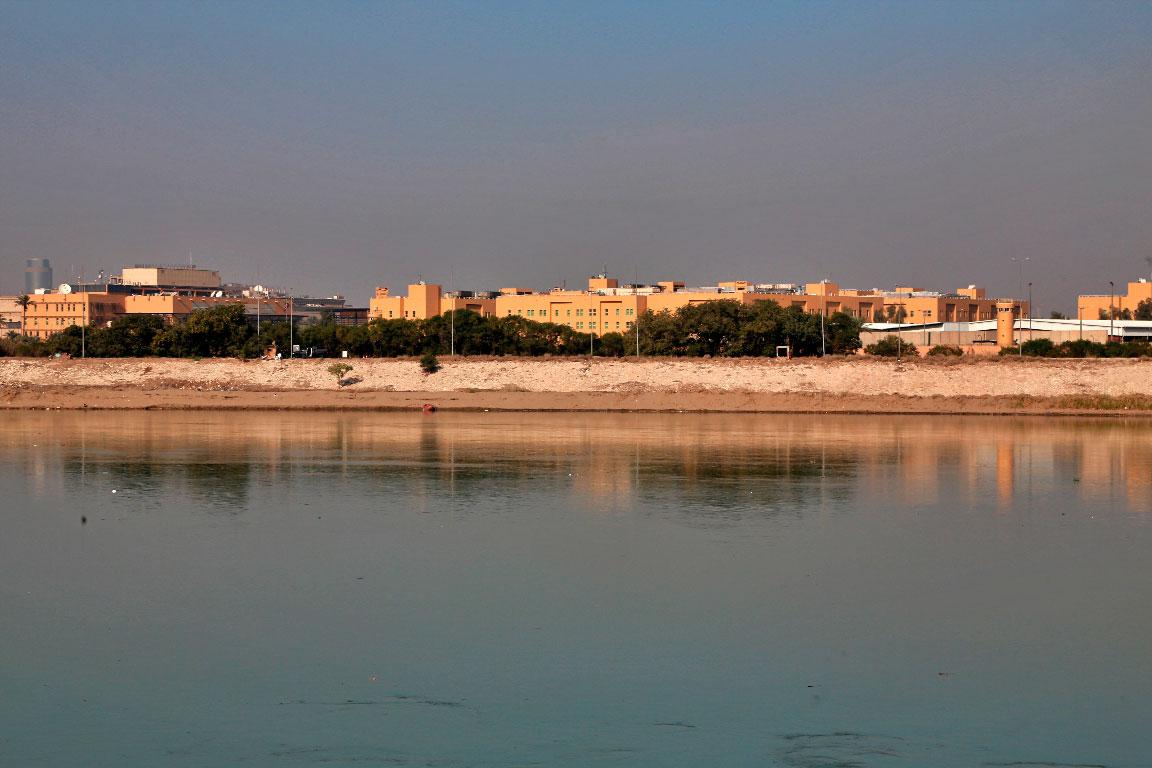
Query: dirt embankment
point(851, 384)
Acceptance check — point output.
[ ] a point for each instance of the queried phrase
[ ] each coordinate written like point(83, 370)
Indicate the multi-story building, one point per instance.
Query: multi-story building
point(966, 305)
point(607, 306)
point(172, 307)
point(37, 275)
point(154, 277)
point(51, 313)
point(1097, 306)
point(604, 308)
point(425, 300)
point(11, 314)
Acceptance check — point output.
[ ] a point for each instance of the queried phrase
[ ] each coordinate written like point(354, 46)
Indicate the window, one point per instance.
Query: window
point(592, 324)
point(531, 313)
point(568, 313)
point(580, 325)
point(628, 312)
point(617, 311)
point(628, 324)
point(579, 313)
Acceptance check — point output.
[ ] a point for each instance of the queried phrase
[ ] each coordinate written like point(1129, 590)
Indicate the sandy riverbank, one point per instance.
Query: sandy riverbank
point(829, 385)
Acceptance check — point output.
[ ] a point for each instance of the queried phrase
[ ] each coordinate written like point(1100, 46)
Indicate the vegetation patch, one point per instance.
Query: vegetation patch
point(1129, 402)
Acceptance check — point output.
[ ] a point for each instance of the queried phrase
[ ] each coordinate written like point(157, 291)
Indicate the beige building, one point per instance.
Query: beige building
point(1096, 306)
point(425, 300)
point(11, 314)
point(172, 307)
point(606, 306)
point(51, 313)
point(158, 277)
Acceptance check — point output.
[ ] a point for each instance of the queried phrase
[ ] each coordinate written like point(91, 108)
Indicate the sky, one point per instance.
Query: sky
point(329, 147)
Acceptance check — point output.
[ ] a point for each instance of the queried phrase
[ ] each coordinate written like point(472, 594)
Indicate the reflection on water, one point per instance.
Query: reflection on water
point(222, 458)
point(593, 589)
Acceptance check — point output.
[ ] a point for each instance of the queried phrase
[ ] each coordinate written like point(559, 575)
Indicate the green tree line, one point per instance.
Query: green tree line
point(717, 328)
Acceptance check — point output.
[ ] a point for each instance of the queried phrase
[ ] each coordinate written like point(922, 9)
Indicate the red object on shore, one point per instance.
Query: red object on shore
point(429, 408)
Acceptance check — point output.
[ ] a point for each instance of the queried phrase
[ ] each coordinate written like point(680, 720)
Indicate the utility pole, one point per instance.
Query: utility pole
point(1111, 307)
point(452, 320)
point(823, 346)
point(636, 325)
point(1029, 311)
point(1019, 295)
point(83, 329)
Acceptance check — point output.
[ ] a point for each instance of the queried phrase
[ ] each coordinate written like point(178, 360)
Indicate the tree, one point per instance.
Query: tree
point(1143, 310)
point(611, 345)
point(428, 362)
point(126, 336)
point(339, 370)
point(220, 331)
point(1058, 315)
point(842, 333)
point(23, 300)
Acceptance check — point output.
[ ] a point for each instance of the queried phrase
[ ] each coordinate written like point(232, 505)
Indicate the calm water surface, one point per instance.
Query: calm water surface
point(528, 589)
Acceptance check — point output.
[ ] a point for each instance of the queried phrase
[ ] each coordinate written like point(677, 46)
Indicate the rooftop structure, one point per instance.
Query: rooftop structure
point(37, 275)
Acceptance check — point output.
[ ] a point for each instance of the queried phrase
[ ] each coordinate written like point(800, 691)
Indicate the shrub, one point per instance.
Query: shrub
point(891, 346)
point(1042, 347)
point(339, 370)
point(429, 363)
point(945, 350)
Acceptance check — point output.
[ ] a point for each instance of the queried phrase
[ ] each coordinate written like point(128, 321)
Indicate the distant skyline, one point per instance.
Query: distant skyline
point(331, 147)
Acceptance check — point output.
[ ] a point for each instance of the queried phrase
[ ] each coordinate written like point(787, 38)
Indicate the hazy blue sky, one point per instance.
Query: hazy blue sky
point(330, 147)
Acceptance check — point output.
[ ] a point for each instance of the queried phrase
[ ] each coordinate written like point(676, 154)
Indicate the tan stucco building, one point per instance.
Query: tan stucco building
point(51, 313)
point(606, 306)
point(425, 300)
point(1096, 306)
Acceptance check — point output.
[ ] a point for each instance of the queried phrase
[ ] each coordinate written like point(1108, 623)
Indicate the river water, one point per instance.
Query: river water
point(196, 589)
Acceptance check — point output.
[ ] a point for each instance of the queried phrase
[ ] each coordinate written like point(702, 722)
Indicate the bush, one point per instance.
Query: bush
point(891, 346)
point(339, 370)
point(945, 350)
point(1039, 348)
point(429, 363)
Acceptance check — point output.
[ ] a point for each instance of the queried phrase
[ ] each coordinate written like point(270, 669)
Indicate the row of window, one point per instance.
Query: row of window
point(568, 312)
point(604, 326)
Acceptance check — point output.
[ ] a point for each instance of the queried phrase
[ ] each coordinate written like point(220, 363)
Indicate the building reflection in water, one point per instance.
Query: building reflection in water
point(697, 466)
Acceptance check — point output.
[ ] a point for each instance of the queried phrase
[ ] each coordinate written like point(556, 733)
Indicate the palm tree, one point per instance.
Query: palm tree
point(23, 301)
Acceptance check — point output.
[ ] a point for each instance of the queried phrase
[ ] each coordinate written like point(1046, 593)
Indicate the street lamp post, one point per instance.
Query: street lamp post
point(636, 325)
point(823, 309)
point(1029, 311)
point(1111, 308)
point(1020, 292)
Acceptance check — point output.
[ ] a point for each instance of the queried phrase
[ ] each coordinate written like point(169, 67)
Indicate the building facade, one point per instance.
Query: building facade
point(425, 300)
point(1097, 306)
point(50, 313)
